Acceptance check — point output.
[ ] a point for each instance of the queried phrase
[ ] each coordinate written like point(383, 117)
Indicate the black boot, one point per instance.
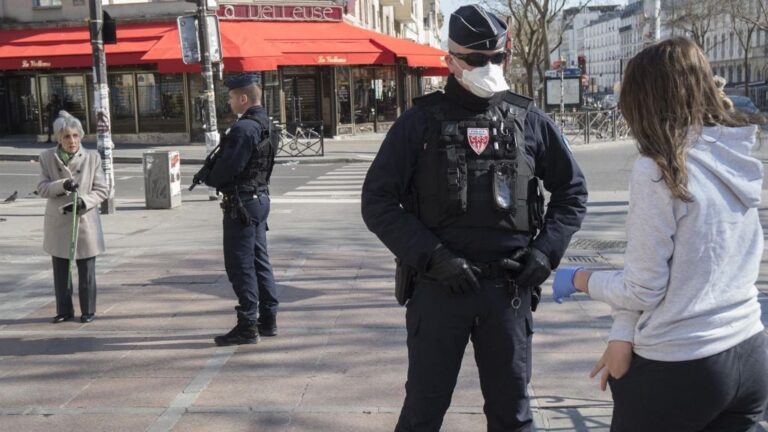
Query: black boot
point(267, 327)
point(243, 333)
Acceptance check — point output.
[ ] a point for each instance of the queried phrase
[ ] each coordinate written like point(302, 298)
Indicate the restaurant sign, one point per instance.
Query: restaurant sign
point(269, 12)
point(34, 64)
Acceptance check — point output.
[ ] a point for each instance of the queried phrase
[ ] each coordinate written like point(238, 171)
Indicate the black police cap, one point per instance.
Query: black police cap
point(474, 28)
point(241, 80)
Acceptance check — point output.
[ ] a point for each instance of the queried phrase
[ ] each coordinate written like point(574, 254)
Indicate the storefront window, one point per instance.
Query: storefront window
point(271, 94)
point(386, 95)
point(20, 101)
point(121, 102)
point(364, 98)
point(160, 102)
point(344, 101)
point(63, 92)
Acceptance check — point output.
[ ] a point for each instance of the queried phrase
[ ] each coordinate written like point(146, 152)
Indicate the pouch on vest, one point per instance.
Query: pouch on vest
point(503, 182)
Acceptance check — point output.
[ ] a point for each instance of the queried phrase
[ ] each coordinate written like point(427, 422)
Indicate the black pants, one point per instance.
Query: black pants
point(439, 325)
point(247, 262)
point(723, 392)
point(86, 285)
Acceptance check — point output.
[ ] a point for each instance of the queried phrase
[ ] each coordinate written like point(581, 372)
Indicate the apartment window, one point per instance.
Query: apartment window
point(46, 3)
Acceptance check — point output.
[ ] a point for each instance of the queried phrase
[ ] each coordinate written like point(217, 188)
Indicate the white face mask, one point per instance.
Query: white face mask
point(484, 81)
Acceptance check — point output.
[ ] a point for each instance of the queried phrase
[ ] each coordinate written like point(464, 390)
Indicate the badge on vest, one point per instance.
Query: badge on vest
point(478, 139)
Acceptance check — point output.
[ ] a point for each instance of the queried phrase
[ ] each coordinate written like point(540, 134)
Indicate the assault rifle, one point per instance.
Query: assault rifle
point(205, 170)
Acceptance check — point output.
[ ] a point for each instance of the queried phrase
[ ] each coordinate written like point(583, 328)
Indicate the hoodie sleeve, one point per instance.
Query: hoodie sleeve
point(651, 227)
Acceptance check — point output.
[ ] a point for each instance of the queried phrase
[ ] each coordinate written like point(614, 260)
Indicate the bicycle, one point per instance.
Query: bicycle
point(303, 140)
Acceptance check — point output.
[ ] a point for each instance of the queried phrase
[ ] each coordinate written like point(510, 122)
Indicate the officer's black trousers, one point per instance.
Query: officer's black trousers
point(247, 262)
point(86, 285)
point(439, 325)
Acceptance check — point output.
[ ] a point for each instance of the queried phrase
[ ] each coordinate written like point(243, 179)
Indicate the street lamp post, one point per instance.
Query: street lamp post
point(104, 142)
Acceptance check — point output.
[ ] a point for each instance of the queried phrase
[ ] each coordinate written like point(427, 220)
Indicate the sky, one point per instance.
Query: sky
point(448, 6)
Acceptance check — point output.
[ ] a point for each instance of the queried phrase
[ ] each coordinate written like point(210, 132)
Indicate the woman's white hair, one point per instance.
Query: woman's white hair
point(67, 121)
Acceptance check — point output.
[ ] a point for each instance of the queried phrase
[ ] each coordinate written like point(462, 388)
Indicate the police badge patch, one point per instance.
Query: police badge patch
point(478, 139)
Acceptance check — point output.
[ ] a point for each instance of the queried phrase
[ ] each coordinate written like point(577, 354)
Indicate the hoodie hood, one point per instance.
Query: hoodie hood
point(725, 152)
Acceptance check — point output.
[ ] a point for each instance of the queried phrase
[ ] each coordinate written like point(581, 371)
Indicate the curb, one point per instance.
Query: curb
point(199, 161)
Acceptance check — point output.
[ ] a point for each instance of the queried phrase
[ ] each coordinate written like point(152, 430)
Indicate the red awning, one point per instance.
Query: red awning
point(415, 54)
point(71, 47)
point(243, 51)
point(247, 46)
point(318, 43)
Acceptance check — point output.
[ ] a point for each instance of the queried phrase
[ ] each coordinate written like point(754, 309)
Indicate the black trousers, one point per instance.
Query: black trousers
point(439, 326)
point(723, 392)
point(86, 285)
point(246, 261)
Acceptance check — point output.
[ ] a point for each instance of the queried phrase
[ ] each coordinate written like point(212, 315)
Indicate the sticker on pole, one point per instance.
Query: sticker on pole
point(478, 139)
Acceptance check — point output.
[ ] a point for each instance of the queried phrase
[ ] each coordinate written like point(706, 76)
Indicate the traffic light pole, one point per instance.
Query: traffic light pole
point(104, 142)
point(209, 94)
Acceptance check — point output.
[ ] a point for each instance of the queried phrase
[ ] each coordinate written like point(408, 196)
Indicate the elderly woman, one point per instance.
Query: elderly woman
point(65, 169)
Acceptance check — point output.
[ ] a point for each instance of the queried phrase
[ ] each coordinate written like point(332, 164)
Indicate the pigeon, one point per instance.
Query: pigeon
point(12, 198)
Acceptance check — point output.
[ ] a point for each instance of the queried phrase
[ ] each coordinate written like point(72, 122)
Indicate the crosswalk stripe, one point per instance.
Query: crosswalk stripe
point(336, 182)
point(307, 187)
point(327, 177)
point(320, 193)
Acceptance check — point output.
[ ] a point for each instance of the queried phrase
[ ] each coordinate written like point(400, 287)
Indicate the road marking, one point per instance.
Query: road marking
point(324, 187)
point(342, 181)
point(321, 193)
point(327, 177)
point(188, 396)
point(316, 200)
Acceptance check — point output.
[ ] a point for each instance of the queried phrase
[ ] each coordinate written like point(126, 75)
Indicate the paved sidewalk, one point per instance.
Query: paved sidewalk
point(147, 363)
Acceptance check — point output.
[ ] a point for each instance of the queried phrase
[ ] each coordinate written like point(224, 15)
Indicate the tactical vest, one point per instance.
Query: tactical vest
point(259, 168)
point(472, 172)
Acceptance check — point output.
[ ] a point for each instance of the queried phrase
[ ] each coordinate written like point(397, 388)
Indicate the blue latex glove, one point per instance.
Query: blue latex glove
point(563, 287)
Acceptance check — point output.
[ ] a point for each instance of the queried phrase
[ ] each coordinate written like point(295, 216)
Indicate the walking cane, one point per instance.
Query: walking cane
point(73, 242)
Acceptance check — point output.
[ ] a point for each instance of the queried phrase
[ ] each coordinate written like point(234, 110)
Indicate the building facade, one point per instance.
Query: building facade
point(333, 67)
point(602, 48)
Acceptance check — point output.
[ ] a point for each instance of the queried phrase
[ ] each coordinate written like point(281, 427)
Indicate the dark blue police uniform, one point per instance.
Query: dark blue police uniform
point(241, 174)
point(454, 186)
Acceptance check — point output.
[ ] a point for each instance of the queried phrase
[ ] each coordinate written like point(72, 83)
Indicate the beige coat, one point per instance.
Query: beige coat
point(85, 169)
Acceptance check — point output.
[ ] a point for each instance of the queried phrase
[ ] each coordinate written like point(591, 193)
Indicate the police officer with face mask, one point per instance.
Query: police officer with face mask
point(455, 193)
point(241, 173)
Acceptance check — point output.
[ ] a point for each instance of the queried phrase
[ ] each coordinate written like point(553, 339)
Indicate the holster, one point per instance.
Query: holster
point(232, 206)
point(405, 281)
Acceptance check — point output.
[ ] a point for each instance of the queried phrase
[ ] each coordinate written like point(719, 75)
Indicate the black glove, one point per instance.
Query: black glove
point(80, 207)
point(454, 272)
point(70, 185)
point(536, 267)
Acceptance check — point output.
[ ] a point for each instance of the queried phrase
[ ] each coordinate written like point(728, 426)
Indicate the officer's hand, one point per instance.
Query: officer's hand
point(536, 267)
point(563, 287)
point(70, 185)
point(454, 272)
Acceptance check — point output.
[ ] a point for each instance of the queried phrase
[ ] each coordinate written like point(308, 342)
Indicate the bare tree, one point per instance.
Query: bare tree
point(695, 18)
point(532, 23)
point(742, 13)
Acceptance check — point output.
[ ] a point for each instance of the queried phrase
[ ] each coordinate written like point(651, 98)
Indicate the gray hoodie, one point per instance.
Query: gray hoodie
point(688, 287)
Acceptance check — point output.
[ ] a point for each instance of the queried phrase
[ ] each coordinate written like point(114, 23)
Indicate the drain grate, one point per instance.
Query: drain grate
point(585, 259)
point(594, 244)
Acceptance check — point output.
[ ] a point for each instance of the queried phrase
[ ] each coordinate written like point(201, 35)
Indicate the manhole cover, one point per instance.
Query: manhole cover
point(594, 244)
point(585, 259)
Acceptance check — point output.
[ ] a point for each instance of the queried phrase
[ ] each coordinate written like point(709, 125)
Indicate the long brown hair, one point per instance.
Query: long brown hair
point(668, 88)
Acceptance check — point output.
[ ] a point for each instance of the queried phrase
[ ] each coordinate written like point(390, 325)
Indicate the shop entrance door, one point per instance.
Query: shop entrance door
point(301, 100)
point(21, 110)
